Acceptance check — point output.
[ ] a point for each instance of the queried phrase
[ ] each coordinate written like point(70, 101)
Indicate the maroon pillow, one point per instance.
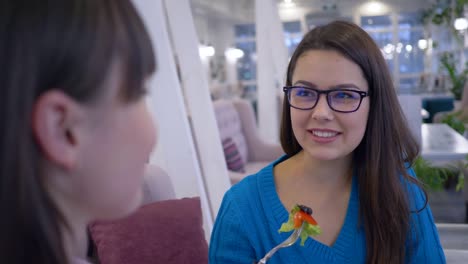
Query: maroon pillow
point(161, 232)
point(234, 160)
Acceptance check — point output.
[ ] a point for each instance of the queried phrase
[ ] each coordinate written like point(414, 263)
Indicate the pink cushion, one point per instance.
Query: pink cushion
point(233, 158)
point(161, 232)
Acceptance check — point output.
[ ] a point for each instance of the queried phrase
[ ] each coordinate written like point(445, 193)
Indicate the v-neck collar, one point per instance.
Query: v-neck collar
point(277, 214)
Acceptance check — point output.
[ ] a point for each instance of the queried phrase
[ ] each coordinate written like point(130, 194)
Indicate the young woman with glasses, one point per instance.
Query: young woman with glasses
point(348, 157)
point(75, 133)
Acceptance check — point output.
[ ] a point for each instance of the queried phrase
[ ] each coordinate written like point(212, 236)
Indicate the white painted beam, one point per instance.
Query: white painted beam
point(175, 151)
point(271, 67)
point(196, 91)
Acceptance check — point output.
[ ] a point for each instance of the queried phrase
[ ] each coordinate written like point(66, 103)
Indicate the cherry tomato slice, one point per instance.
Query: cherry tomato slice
point(298, 219)
point(308, 218)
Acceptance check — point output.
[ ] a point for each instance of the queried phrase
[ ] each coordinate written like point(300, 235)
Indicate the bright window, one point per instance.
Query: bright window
point(247, 65)
point(398, 36)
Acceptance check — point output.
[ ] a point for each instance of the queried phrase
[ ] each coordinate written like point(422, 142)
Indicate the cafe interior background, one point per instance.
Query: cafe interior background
point(221, 67)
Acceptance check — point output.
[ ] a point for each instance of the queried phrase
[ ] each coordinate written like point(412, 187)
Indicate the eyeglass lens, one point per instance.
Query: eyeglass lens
point(338, 100)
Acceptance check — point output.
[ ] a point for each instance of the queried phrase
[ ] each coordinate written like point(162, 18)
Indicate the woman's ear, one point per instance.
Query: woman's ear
point(56, 121)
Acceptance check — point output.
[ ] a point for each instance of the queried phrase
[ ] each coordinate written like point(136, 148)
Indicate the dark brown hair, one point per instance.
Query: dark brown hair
point(65, 45)
point(380, 160)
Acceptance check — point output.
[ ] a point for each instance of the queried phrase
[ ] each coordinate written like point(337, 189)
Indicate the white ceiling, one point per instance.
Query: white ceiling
point(243, 10)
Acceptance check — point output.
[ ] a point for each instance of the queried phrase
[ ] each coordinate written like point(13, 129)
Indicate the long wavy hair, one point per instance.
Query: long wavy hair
point(381, 159)
point(65, 45)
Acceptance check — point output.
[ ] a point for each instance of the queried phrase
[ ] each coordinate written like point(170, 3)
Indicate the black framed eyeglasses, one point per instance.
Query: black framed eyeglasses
point(341, 100)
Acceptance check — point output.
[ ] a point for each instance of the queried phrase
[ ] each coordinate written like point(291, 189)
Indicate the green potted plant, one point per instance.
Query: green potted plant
point(456, 120)
point(457, 79)
point(434, 178)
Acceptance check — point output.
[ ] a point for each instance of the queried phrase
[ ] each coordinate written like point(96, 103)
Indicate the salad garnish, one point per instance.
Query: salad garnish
point(301, 214)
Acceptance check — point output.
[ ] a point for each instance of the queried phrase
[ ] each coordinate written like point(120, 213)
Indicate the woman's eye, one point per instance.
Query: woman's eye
point(304, 93)
point(345, 95)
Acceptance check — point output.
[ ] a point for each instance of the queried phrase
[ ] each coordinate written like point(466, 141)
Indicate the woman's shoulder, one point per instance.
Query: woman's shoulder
point(415, 190)
point(411, 180)
point(253, 189)
point(258, 179)
point(251, 183)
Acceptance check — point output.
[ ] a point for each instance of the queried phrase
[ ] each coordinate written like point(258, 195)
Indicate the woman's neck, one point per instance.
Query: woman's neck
point(75, 240)
point(319, 184)
point(74, 231)
point(319, 173)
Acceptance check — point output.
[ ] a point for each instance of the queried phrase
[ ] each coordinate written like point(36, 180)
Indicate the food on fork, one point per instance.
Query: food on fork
point(299, 215)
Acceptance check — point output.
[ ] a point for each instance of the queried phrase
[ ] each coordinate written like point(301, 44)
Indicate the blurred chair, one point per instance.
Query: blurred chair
point(454, 242)
point(237, 123)
point(164, 230)
point(462, 114)
point(461, 106)
point(437, 105)
point(157, 185)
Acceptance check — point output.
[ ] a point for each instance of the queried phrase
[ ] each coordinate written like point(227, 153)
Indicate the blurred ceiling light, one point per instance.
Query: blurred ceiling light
point(422, 44)
point(374, 7)
point(399, 47)
point(387, 56)
point(409, 48)
point(206, 51)
point(253, 56)
point(461, 23)
point(288, 4)
point(389, 48)
point(234, 53)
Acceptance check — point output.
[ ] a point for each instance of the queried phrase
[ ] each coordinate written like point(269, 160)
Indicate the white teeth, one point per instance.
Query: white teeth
point(324, 134)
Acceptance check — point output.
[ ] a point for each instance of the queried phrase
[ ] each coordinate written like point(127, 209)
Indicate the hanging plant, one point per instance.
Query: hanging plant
point(458, 79)
point(443, 13)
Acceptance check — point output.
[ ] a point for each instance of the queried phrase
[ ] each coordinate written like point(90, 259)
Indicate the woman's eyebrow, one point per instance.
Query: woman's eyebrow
point(339, 86)
point(306, 83)
point(346, 85)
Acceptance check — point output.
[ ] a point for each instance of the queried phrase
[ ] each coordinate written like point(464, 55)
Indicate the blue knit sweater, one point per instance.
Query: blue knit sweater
point(251, 213)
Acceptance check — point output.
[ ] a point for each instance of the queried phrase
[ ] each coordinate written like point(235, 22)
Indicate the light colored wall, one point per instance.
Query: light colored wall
point(212, 29)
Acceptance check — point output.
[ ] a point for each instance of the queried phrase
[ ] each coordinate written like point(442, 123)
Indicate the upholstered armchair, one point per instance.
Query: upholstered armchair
point(157, 185)
point(237, 124)
point(164, 230)
point(461, 107)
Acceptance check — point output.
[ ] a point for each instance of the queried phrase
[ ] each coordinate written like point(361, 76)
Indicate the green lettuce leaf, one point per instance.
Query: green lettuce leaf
point(308, 229)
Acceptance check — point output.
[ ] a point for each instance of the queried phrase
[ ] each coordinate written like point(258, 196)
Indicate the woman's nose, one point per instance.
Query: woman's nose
point(322, 110)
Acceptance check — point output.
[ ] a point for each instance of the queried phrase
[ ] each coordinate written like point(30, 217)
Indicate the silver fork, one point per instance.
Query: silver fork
point(286, 243)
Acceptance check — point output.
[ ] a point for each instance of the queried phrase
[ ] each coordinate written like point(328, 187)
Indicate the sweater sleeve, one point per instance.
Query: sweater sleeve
point(423, 245)
point(229, 241)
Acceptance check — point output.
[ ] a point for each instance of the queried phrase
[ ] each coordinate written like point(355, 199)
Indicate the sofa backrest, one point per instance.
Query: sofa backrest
point(157, 185)
point(163, 230)
point(230, 125)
